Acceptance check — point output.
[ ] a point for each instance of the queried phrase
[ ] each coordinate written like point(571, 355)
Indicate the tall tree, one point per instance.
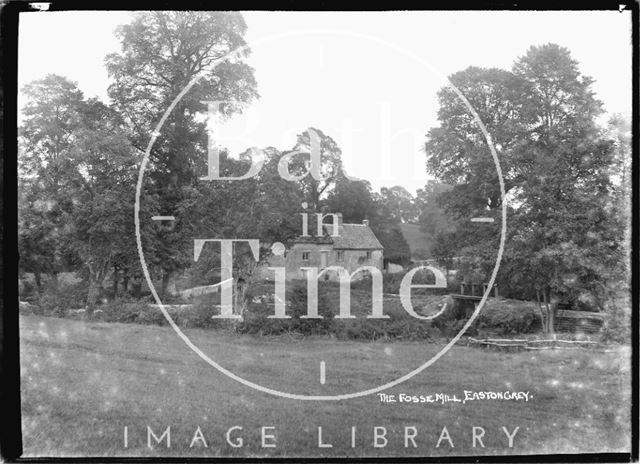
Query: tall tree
point(162, 52)
point(356, 201)
point(353, 199)
point(400, 202)
point(458, 156)
point(556, 165)
point(52, 117)
point(457, 152)
point(77, 182)
point(103, 197)
point(619, 131)
point(39, 240)
point(330, 169)
point(385, 223)
point(265, 207)
point(431, 216)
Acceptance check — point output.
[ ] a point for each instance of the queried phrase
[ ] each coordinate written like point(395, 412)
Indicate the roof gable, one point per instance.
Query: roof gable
point(354, 236)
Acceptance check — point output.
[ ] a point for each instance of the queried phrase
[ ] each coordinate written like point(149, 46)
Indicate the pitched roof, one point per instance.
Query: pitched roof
point(354, 236)
point(324, 240)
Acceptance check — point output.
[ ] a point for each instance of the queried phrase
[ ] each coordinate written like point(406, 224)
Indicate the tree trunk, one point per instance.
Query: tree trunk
point(136, 287)
point(446, 265)
point(94, 292)
point(315, 196)
point(168, 283)
point(543, 319)
point(54, 281)
point(553, 307)
point(115, 282)
point(545, 302)
point(240, 298)
point(552, 319)
point(96, 279)
point(38, 278)
point(550, 306)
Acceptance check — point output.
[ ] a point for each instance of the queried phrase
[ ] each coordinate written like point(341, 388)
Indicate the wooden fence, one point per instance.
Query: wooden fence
point(505, 344)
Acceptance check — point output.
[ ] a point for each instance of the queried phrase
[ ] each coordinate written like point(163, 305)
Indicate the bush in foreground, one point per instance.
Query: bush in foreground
point(509, 317)
point(256, 318)
point(400, 325)
point(499, 317)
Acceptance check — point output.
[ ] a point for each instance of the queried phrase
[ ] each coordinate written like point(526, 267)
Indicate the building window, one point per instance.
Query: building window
point(340, 256)
point(305, 256)
point(368, 255)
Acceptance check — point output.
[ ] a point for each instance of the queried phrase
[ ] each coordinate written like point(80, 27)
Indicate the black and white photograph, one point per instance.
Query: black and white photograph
point(324, 234)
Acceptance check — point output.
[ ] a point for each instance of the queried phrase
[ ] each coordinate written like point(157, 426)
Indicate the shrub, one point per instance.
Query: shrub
point(52, 304)
point(56, 302)
point(28, 309)
point(256, 318)
point(201, 312)
point(28, 290)
point(449, 328)
point(509, 317)
point(498, 317)
point(400, 324)
point(617, 327)
point(198, 316)
point(129, 310)
point(391, 283)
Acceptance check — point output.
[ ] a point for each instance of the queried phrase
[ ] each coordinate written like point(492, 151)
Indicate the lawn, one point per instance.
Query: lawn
point(82, 383)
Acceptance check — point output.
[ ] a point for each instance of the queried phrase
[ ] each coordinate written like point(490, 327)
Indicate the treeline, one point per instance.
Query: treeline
point(566, 178)
point(566, 182)
point(567, 185)
point(79, 160)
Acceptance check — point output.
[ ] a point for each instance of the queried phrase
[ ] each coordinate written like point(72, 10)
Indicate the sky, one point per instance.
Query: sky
point(369, 80)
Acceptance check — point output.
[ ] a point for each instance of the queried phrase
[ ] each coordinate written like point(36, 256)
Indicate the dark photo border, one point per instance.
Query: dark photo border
point(10, 399)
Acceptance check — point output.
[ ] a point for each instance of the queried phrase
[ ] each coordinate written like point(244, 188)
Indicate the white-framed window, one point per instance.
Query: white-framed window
point(306, 255)
point(368, 255)
point(339, 256)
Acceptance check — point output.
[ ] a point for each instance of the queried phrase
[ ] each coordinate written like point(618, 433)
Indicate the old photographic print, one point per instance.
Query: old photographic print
point(365, 234)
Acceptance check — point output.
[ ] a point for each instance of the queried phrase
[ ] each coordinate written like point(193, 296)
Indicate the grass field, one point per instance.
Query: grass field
point(82, 383)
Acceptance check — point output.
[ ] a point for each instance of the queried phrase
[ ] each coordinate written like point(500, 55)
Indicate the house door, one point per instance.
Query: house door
point(324, 257)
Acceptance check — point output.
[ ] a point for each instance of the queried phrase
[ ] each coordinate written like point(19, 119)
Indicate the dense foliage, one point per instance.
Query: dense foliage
point(566, 179)
point(565, 238)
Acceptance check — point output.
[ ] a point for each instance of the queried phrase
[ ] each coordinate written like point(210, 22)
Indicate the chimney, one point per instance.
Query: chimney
point(365, 222)
point(338, 218)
